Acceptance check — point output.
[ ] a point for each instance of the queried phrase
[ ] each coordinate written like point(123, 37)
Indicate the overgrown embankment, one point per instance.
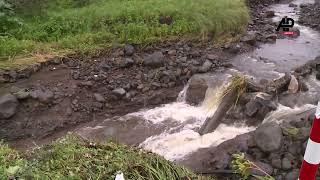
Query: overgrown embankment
point(47, 28)
point(75, 158)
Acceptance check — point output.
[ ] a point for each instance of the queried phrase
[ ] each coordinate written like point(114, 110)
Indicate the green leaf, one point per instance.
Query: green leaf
point(12, 170)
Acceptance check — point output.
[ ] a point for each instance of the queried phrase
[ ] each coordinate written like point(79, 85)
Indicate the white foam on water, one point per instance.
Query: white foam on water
point(283, 111)
point(178, 111)
point(178, 145)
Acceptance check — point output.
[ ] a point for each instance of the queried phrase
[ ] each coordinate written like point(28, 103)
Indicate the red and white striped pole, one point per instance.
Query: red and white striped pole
point(311, 158)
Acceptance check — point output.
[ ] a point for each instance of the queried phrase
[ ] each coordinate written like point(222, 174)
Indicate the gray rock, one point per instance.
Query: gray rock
point(234, 48)
point(206, 66)
point(8, 106)
point(260, 105)
point(129, 50)
point(99, 97)
point(196, 91)
point(294, 174)
point(268, 137)
point(127, 62)
point(276, 163)
point(119, 92)
point(279, 85)
point(104, 66)
point(250, 38)
point(154, 60)
point(252, 108)
point(44, 96)
point(86, 83)
point(286, 164)
point(266, 100)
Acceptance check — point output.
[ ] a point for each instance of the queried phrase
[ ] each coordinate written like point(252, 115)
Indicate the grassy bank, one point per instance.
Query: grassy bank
point(75, 158)
point(64, 26)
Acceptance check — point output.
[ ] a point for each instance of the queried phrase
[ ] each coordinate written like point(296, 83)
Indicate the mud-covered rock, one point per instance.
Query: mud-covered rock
point(43, 95)
point(8, 106)
point(268, 137)
point(154, 60)
point(250, 38)
point(129, 50)
point(260, 105)
point(127, 62)
point(99, 97)
point(206, 66)
point(119, 92)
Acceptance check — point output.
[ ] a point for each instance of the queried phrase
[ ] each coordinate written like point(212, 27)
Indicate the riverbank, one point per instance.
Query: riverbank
point(76, 158)
point(46, 100)
point(61, 27)
point(118, 81)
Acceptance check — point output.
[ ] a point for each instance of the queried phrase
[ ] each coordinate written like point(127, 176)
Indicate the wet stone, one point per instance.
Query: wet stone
point(268, 137)
point(8, 106)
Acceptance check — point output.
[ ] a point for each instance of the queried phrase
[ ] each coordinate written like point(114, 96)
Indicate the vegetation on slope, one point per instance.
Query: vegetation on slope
point(75, 158)
point(64, 26)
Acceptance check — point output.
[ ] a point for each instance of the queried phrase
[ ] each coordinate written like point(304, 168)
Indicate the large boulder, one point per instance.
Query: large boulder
point(268, 137)
point(260, 105)
point(197, 89)
point(8, 106)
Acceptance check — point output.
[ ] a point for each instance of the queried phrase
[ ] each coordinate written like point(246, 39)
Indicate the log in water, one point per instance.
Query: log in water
point(213, 122)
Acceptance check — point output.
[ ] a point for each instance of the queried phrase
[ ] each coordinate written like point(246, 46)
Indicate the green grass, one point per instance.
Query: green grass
point(75, 158)
point(10, 162)
point(61, 27)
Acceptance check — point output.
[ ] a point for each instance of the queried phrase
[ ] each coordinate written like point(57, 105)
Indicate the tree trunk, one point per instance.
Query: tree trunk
point(213, 122)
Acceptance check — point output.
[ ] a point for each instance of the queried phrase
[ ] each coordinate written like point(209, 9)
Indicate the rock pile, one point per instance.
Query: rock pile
point(310, 15)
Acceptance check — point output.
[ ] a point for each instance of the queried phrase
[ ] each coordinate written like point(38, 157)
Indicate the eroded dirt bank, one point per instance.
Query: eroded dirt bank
point(45, 101)
point(63, 93)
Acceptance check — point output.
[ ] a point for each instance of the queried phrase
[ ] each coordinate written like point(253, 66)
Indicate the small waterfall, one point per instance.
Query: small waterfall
point(183, 138)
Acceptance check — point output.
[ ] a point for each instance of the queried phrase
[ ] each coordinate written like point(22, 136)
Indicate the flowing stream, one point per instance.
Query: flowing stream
point(171, 130)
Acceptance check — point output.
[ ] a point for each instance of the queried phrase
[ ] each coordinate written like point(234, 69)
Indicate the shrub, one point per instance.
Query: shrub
point(8, 19)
